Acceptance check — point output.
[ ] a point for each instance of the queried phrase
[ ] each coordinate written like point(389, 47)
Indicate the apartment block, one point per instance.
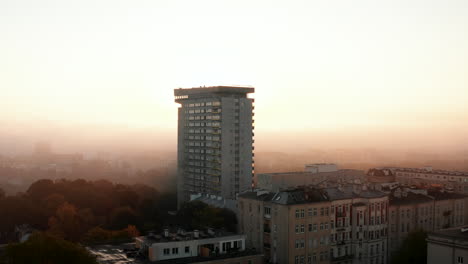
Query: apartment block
point(316, 225)
point(428, 210)
point(215, 141)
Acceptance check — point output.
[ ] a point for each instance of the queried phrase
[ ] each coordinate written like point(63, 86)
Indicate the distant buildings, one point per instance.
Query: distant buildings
point(308, 225)
point(314, 174)
point(448, 246)
point(215, 141)
point(422, 177)
point(211, 247)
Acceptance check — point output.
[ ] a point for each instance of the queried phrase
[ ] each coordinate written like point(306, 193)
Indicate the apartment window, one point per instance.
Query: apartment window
point(321, 226)
point(326, 211)
point(297, 213)
point(314, 257)
point(332, 209)
point(460, 260)
point(310, 227)
point(296, 260)
point(332, 224)
point(175, 251)
point(296, 228)
point(310, 212)
point(315, 228)
point(302, 259)
point(187, 249)
point(326, 226)
point(309, 259)
point(297, 244)
point(302, 213)
point(302, 229)
point(315, 211)
point(167, 251)
point(302, 243)
point(321, 211)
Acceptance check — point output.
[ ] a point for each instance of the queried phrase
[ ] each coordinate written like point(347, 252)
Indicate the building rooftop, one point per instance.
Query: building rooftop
point(303, 195)
point(457, 233)
point(200, 259)
point(411, 198)
point(312, 173)
point(444, 195)
point(426, 171)
point(178, 234)
point(214, 89)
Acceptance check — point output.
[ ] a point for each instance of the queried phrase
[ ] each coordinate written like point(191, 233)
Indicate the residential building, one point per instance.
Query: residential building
point(215, 141)
point(211, 247)
point(428, 177)
point(414, 209)
point(316, 225)
point(448, 246)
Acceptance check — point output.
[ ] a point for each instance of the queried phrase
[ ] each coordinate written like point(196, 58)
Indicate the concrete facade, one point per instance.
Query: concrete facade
point(215, 141)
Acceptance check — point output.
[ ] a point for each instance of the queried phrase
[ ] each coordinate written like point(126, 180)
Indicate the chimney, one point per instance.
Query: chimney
point(166, 232)
point(195, 233)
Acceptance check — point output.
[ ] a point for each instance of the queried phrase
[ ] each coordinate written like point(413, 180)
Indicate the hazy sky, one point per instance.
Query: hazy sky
point(316, 65)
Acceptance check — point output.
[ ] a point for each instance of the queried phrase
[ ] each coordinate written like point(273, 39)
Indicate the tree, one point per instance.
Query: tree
point(196, 215)
point(53, 201)
point(122, 217)
point(413, 250)
point(40, 189)
point(66, 223)
point(44, 248)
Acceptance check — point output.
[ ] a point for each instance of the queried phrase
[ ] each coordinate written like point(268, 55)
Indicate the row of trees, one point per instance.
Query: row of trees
point(70, 209)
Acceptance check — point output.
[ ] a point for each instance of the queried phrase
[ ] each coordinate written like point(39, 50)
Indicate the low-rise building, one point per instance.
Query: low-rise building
point(197, 247)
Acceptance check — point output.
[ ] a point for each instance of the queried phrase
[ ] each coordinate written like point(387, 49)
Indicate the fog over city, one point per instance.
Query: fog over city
point(244, 131)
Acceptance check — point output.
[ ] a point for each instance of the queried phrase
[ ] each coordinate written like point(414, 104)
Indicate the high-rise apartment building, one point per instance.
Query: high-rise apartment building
point(215, 141)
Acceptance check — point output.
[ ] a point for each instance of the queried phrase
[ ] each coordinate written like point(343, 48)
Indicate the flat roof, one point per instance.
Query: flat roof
point(451, 233)
point(181, 235)
point(214, 89)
